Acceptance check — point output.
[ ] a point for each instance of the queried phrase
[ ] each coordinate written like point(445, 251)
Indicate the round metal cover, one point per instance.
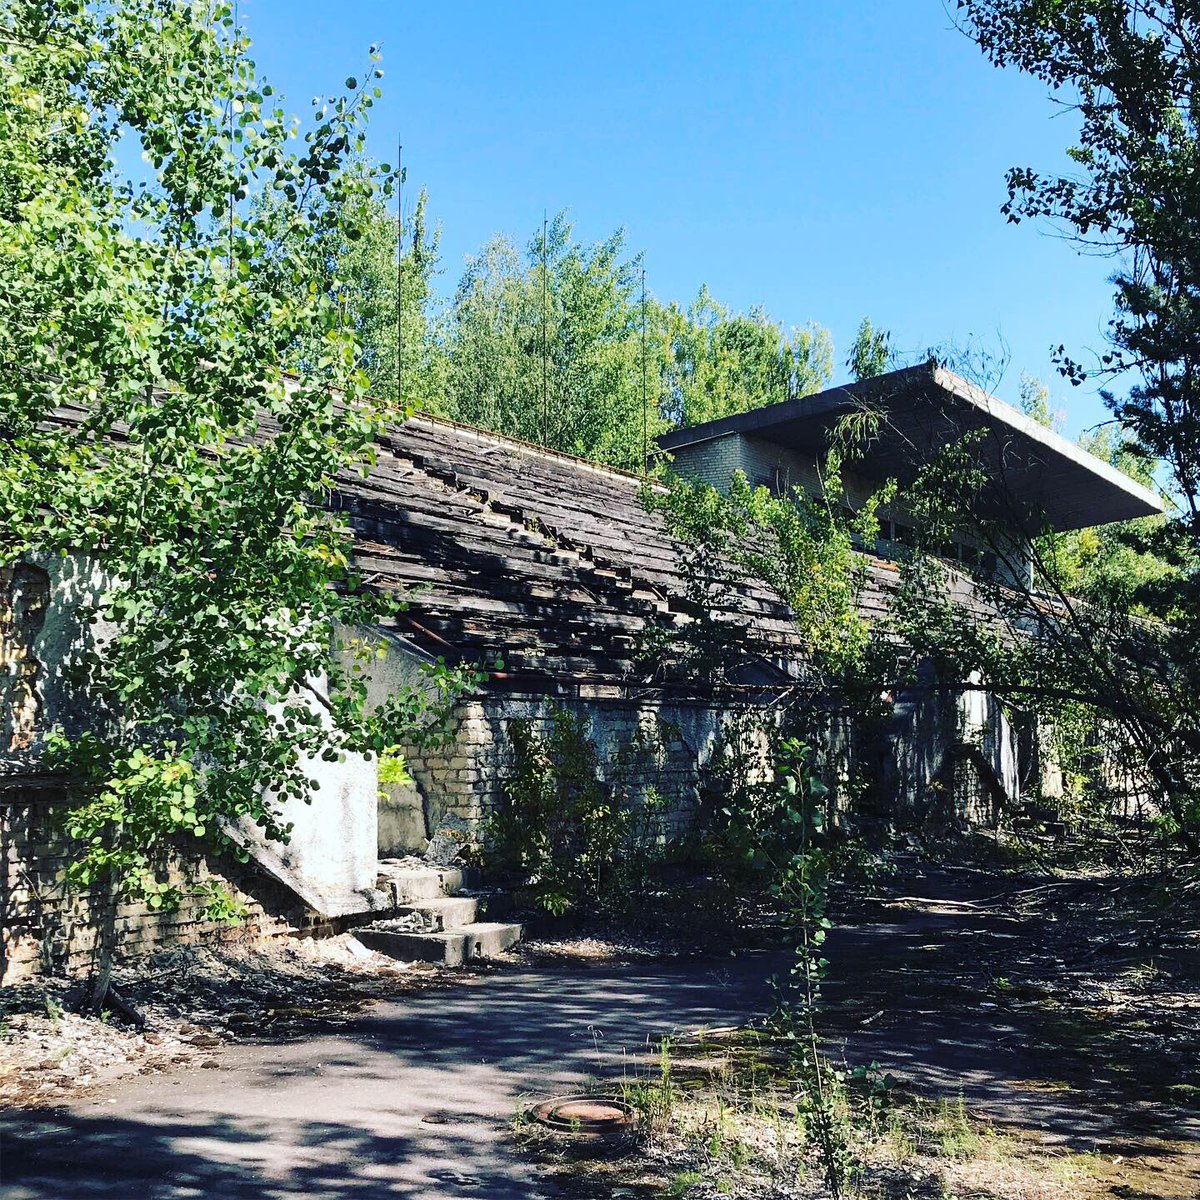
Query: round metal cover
point(589, 1117)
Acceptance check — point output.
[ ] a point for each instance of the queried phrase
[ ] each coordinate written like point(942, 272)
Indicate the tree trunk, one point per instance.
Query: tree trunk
point(105, 949)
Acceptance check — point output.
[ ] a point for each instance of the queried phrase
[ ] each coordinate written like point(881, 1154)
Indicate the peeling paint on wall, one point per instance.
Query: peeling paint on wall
point(24, 597)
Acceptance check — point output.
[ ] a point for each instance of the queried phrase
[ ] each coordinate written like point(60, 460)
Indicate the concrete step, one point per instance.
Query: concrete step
point(451, 947)
point(408, 883)
point(443, 912)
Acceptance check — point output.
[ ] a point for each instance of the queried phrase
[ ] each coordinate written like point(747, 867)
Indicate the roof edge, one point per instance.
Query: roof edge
point(997, 409)
point(486, 435)
point(758, 421)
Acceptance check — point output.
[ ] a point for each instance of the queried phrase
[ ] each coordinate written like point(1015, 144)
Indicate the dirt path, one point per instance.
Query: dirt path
point(1055, 1009)
point(414, 1100)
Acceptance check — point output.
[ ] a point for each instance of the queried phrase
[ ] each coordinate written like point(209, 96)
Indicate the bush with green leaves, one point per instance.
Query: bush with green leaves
point(558, 827)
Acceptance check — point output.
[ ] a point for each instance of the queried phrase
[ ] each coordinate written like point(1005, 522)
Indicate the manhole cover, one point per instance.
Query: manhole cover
point(591, 1118)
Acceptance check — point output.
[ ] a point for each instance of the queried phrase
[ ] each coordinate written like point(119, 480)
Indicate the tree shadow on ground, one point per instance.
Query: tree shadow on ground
point(57, 1156)
point(416, 1099)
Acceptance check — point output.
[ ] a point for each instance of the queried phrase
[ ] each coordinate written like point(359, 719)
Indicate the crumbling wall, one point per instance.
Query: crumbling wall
point(944, 757)
point(44, 926)
point(656, 745)
point(955, 757)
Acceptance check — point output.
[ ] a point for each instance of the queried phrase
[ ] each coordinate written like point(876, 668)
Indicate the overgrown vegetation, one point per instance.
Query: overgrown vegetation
point(1127, 71)
point(576, 833)
point(553, 342)
point(722, 1111)
point(182, 496)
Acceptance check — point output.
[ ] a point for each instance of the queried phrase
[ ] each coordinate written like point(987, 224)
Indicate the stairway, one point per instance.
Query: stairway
point(437, 918)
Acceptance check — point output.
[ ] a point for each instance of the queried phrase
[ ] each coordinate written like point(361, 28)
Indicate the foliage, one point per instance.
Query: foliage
point(387, 303)
point(1107, 563)
point(558, 825)
point(802, 872)
point(547, 347)
point(1045, 654)
point(798, 549)
point(738, 804)
point(393, 768)
point(719, 363)
point(190, 474)
point(1128, 70)
point(1035, 402)
point(872, 354)
point(553, 343)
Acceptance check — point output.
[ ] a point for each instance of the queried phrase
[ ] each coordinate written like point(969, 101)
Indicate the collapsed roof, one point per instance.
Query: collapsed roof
point(553, 564)
point(550, 562)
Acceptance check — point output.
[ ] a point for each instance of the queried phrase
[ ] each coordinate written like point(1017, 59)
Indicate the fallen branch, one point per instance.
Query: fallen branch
point(115, 1001)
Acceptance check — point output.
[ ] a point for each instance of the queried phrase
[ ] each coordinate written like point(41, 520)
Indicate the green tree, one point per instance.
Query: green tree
point(1035, 402)
point(1114, 564)
point(193, 474)
point(871, 354)
point(719, 363)
point(354, 261)
point(1130, 71)
point(547, 346)
point(554, 344)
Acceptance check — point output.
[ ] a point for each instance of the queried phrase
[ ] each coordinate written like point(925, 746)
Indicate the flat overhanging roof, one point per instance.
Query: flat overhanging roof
point(1038, 473)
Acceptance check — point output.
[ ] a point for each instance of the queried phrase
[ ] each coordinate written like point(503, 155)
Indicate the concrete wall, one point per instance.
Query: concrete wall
point(41, 636)
point(333, 843)
point(765, 464)
point(780, 469)
point(44, 629)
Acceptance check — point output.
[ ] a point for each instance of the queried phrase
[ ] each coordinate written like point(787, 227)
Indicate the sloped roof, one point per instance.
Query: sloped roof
point(550, 562)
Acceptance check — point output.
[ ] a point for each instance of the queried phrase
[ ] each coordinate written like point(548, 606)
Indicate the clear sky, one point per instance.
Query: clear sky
point(828, 161)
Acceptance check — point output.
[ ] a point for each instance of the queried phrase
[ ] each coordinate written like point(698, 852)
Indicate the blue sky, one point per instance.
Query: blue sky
point(827, 161)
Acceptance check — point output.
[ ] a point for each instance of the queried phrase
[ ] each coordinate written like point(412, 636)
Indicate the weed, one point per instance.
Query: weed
point(1143, 975)
point(1076, 1168)
point(558, 825)
point(956, 1137)
point(682, 1183)
point(896, 1137)
point(738, 1154)
point(653, 1095)
point(802, 881)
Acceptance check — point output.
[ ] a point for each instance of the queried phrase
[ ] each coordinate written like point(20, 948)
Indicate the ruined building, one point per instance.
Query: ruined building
point(556, 566)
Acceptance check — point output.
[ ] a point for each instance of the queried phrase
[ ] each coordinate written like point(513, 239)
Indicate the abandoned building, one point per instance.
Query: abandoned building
point(1040, 480)
point(558, 567)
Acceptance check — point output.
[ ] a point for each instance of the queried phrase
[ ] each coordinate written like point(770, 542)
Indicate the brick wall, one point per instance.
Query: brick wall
point(642, 745)
point(42, 925)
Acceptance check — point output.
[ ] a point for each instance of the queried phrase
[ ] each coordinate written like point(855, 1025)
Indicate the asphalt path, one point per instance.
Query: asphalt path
point(415, 1099)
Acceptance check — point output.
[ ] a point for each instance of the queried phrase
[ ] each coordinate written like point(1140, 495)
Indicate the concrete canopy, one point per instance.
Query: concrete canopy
point(1039, 475)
